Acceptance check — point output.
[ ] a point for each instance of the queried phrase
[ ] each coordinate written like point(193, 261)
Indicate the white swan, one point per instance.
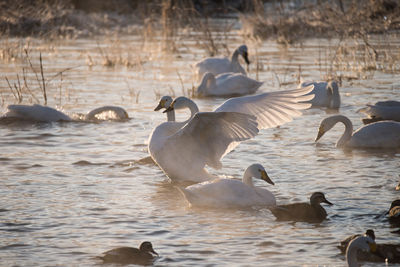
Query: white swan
point(383, 134)
point(229, 193)
point(326, 94)
point(47, 114)
point(218, 65)
point(382, 110)
point(365, 243)
point(182, 149)
point(227, 84)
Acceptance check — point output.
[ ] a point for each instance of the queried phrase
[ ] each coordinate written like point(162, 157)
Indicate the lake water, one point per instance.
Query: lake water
point(70, 191)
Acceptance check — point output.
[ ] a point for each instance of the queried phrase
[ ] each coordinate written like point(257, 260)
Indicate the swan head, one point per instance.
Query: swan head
point(257, 171)
point(243, 51)
point(147, 247)
point(319, 197)
point(165, 102)
point(178, 103)
point(333, 94)
point(325, 125)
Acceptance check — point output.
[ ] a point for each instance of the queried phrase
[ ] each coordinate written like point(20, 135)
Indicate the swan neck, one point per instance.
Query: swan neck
point(348, 131)
point(351, 256)
point(171, 115)
point(192, 107)
point(235, 56)
point(334, 101)
point(207, 83)
point(248, 178)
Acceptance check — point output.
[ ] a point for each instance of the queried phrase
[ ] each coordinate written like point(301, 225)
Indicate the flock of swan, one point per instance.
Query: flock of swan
point(183, 149)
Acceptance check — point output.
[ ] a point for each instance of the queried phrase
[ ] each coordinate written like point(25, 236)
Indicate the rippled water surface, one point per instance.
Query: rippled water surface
point(70, 191)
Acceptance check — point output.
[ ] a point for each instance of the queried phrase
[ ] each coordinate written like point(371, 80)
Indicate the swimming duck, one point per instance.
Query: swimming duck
point(144, 255)
point(359, 243)
point(218, 65)
point(383, 252)
point(326, 94)
point(382, 134)
point(231, 193)
point(382, 110)
point(304, 212)
point(394, 212)
point(41, 113)
point(183, 149)
point(227, 84)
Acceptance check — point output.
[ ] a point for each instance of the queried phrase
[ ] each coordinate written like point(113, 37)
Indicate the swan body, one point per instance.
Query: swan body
point(217, 65)
point(306, 212)
point(360, 243)
point(383, 134)
point(231, 193)
point(41, 113)
point(227, 84)
point(382, 110)
point(183, 149)
point(326, 94)
point(128, 255)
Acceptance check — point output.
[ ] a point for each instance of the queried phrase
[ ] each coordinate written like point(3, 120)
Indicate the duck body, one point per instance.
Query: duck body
point(231, 193)
point(218, 65)
point(227, 84)
point(378, 135)
point(326, 94)
point(382, 110)
point(360, 243)
point(128, 255)
point(306, 212)
point(394, 212)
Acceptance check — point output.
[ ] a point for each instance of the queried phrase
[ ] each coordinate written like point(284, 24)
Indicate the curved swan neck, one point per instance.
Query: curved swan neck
point(334, 97)
point(348, 132)
point(351, 256)
point(235, 55)
point(192, 107)
point(171, 115)
point(248, 178)
point(207, 83)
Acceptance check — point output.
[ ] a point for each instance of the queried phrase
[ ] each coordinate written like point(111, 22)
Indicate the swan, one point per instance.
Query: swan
point(360, 243)
point(128, 255)
point(304, 212)
point(227, 84)
point(383, 134)
point(326, 94)
point(382, 110)
point(230, 193)
point(217, 65)
point(41, 113)
point(183, 149)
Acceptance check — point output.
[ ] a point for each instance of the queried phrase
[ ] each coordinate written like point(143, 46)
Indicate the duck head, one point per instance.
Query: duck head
point(319, 197)
point(147, 247)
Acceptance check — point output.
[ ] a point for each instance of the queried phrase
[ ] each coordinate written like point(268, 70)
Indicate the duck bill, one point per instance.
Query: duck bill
point(320, 134)
point(155, 253)
point(266, 178)
point(160, 106)
point(246, 58)
point(327, 202)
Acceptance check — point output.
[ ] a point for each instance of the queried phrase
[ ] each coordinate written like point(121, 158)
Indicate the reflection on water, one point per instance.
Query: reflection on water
point(70, 191)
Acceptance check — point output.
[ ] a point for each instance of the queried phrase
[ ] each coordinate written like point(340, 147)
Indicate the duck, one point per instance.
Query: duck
point(326, 94)
point(377, 135)
point(382, 110)
point(227, 84)
point(183, 149)
point(231, 193)
point(39, 113)
point(303, 212)
point(360, 243)
point(383, 253)
point(218, 65)
point(144, 255)
point(393, 213)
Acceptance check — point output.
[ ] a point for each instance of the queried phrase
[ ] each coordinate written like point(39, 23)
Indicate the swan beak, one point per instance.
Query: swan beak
point(266, 178)
point(170, 108)
point(372, 247)
point(321, 132)
point(160, 105)
point(246, 58)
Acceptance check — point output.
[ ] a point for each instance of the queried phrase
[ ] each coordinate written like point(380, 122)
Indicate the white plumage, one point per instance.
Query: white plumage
point(364, 243)
point(381, 135)
point(326, 94)
point(183, 149)
point(382, 110)
point(227, 84)
point(218, 65)
point(231, 193)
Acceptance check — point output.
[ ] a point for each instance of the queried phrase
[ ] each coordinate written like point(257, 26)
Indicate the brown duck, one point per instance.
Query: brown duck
point(144, 255)
point(304, 212)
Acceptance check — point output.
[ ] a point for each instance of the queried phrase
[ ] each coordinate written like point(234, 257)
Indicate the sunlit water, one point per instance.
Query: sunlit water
point(70, 191)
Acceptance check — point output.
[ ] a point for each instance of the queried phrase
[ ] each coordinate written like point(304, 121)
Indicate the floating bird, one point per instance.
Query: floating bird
point(182, 149)
point(394, 212)
point(231, 193)
point(217, 65)
point(144, 255)
point(304, 212)
point(382, 110)
point(326, 94)
point(383, 134)
point(227, 84)
point(383, 253)
point(41, 113)
point(360, 243)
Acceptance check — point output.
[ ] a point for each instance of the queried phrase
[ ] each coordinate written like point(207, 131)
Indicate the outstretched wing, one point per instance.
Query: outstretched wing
point(208, 135)
point(271, 109)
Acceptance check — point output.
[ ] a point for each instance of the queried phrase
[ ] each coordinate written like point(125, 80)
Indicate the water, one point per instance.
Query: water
point(70, 191)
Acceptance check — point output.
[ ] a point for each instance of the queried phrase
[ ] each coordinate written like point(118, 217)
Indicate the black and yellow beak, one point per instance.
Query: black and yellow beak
point(246, 58)
point(160, 105)
point(170, 108)
point(265, 177)
point(321, 132)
